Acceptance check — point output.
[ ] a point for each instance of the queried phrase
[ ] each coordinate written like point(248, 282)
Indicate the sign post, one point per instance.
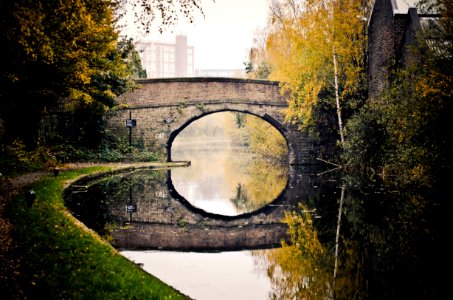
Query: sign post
point(130, 123)
point(131, 207)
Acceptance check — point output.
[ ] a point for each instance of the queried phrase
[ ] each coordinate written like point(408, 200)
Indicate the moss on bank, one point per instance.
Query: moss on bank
point(57, 257)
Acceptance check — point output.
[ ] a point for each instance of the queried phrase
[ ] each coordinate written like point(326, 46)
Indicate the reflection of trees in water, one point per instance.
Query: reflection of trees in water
point(304, 268)
point(259, 181)
point(386, 250)
point(240, 201)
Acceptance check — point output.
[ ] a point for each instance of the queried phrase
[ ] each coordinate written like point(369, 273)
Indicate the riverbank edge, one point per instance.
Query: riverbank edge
point(45, 251)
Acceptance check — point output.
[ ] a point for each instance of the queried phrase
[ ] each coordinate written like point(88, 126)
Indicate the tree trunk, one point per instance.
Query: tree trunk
point(337, 97)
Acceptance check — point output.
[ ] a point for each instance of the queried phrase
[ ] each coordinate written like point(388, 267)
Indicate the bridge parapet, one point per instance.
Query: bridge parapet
point(175, 91)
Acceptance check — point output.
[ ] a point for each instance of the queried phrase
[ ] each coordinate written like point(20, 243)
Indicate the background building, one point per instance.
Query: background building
point(161, 60)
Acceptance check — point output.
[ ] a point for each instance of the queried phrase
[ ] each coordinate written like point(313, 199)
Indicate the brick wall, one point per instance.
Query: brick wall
point(389, 38)
point(381, 38)
point(410, 33)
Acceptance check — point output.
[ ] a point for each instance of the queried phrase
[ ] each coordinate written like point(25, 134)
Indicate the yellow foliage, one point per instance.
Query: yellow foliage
point(435, 84)
point(301, 44)
point(261, 137)
point(265, 139)
point(78, 96)
point(302, 269)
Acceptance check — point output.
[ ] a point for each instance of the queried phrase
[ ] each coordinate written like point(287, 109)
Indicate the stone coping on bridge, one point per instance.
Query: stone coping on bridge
point(206, 79)
point(200, 102)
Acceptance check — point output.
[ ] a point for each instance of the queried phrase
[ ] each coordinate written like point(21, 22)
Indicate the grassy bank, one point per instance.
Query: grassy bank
point(54, 256)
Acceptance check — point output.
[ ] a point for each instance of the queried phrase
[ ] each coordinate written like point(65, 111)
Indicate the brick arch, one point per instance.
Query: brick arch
point(163, 107)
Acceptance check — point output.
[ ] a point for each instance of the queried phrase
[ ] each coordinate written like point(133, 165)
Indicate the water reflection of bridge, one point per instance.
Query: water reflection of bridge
point(165, 220)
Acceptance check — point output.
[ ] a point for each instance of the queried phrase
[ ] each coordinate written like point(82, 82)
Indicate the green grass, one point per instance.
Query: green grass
point(59, 258)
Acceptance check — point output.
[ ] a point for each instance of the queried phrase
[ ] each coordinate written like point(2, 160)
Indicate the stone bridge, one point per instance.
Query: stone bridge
point(164, 107)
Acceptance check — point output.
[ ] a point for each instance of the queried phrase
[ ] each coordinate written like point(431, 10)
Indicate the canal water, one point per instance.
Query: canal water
point(222, 275)
point(236, 225)
point(223, 179)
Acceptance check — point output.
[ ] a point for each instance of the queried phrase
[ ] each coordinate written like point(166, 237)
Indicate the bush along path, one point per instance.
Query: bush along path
point(48, 254)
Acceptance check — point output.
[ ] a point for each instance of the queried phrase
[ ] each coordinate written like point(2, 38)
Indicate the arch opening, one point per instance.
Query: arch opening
point(238, 162)
point(267, 119)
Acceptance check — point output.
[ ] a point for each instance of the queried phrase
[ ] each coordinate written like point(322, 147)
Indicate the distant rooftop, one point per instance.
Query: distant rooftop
point(402, 6)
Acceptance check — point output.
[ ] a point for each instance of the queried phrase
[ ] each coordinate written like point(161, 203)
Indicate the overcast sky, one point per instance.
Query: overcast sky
point(221, 39)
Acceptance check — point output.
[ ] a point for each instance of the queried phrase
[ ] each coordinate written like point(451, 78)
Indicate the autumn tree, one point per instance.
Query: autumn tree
point(316, 49)
point(258, 135)
point(132, 58)
point(56, 55)
point(257, 66)
point(65, 57)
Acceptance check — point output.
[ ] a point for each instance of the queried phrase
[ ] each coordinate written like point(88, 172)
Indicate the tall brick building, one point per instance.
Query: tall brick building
point(392, 27)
